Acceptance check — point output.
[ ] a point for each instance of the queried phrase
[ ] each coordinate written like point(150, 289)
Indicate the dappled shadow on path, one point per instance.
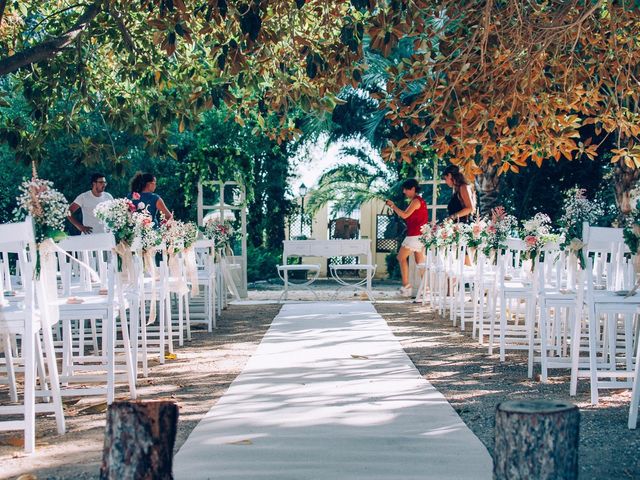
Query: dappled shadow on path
point(330, 394)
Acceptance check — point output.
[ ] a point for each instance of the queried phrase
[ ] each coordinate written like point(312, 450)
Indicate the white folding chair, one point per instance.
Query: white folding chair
point(107, 306)
point(612, 329)
point(31, 320)
point(205, 261)
point(515, 289)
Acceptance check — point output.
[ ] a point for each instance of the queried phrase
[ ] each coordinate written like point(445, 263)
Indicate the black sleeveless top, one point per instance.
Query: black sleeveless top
point(455, 205)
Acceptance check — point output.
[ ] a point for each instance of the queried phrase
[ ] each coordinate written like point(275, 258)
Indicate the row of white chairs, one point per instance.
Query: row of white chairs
point(102, 316)
point(563, 316)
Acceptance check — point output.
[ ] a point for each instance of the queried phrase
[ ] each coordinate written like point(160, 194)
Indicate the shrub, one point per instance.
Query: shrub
point(262, 263)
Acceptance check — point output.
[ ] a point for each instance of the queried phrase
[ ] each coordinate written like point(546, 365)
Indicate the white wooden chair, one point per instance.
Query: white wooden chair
point(611, 319)
point(105, 304)
point(31, 320)
point(428, 277)
point(207, 276)
point(557, 298)
point(156, 334)
point(179, 291)
point(484, 296)
point(635, 391)
point(515, 289)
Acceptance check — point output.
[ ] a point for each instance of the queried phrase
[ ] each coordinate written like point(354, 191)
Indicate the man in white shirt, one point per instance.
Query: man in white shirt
point(88, 201)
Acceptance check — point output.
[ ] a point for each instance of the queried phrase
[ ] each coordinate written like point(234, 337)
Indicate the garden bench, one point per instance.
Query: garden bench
point(328, 249)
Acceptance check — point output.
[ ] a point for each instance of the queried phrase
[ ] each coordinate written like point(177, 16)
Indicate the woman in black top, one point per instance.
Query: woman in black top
point(463, 201)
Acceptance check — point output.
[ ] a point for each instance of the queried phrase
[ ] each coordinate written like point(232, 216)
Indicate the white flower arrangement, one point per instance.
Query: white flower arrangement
point(173, 235)
point(428, 235)
point(577, 210)
point(220, 231)
point(499, 227)
point(46, 205)
point(474, 234)
point(117, 216)
point(445, 234)
point(536, 233)
point(190, 234)
point(145, 231)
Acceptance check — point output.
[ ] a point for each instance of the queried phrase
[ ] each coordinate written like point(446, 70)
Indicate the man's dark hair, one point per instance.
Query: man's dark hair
point(97, 176)
point(411, 183)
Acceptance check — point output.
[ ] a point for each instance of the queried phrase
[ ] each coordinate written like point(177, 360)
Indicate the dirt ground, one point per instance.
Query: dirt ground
point(475, 382)
point(470, 379)
point(203, 371)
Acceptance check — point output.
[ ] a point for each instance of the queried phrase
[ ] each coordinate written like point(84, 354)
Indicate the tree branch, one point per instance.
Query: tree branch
point(119, 21)
point(51, 47)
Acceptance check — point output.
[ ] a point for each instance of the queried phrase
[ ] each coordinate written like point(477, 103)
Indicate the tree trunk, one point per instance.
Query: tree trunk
point(536, 439)
point(488, 186)
point(625, 179)
point(139, 440)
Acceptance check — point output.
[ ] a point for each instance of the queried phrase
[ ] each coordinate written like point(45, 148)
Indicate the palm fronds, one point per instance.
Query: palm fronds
point(363, 178)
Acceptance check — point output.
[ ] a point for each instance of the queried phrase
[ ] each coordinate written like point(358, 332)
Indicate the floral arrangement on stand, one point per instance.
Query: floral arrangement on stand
point(191, 233)
point(577, 209)
point(444, 234)
point(499, 227)
point(179, 237)
point(474, 235)
point(220, 231)
point(46, 205)
point(536, 233)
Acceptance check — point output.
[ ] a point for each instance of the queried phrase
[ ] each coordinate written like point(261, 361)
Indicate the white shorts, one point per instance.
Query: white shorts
point(413, 243)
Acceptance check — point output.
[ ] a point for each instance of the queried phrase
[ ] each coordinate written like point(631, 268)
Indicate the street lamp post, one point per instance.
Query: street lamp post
point(303, 193)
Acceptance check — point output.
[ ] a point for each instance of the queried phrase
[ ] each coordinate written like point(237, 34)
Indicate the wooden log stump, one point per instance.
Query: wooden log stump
point(139, 440)
point(536, 439)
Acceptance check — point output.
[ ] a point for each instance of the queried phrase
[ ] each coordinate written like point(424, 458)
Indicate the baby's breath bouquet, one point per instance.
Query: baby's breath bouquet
point(173, 233)
point(117, 215)
point(46, 205)
point(536, 233)
point(220, 231)
point(190, 234)
point(578, 209)
point(145, 231)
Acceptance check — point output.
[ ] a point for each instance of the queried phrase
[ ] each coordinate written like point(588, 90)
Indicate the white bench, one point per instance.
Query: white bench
point(327, 249)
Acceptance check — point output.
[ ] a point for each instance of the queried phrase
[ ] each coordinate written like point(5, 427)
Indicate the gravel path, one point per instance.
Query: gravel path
point(475, 382)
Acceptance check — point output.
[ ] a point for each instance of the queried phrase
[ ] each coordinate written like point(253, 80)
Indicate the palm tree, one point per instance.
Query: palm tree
point(363, 177)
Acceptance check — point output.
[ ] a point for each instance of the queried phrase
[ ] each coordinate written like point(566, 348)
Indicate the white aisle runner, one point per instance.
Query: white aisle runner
point(330, 395)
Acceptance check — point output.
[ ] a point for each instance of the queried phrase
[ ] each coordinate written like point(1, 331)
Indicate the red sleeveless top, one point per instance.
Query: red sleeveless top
point(417, 219)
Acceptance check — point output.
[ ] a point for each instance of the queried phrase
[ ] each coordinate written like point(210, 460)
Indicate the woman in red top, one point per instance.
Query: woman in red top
point(415, 216)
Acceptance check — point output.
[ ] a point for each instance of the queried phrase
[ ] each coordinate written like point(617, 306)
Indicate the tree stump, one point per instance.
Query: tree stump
point(536, 439)
point(139, 440)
